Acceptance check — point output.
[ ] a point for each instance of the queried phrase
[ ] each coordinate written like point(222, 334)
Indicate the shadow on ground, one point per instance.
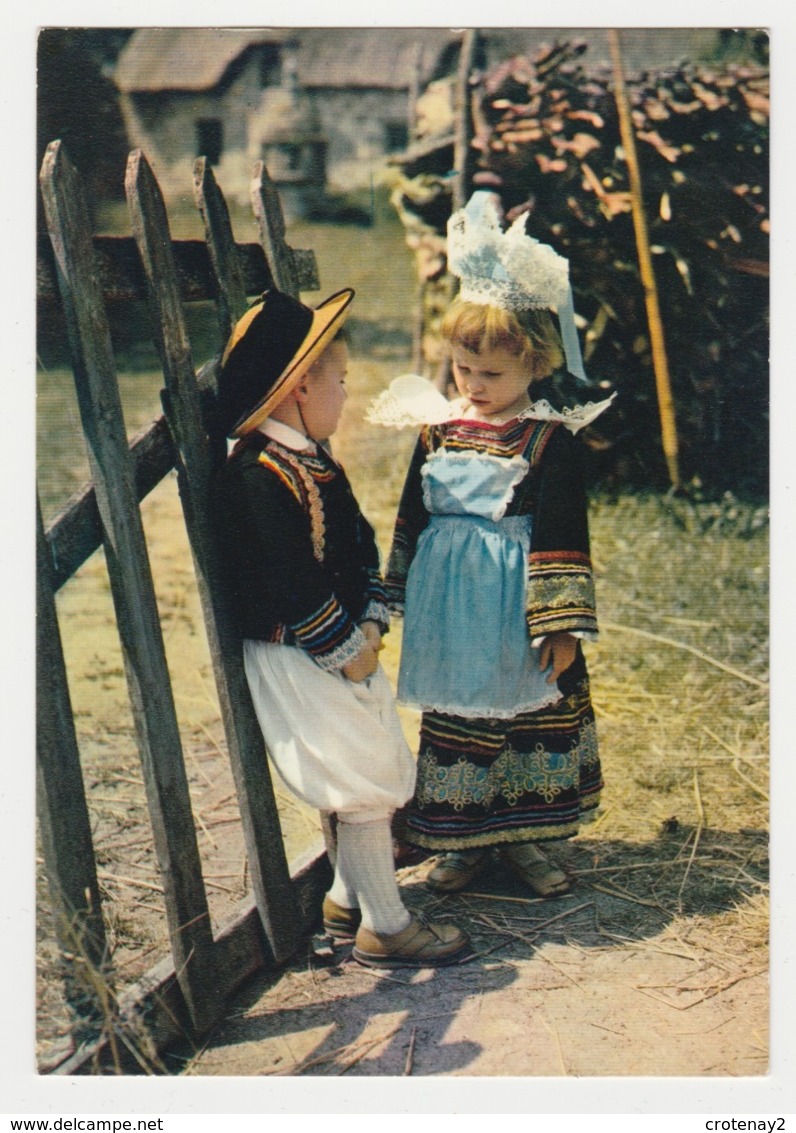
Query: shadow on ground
point(330, 1016)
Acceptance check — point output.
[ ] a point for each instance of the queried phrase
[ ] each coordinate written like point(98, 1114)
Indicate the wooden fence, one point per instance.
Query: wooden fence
point(186, 992)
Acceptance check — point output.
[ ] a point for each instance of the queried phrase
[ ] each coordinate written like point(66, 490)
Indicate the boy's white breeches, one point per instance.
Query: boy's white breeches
point(337, 744)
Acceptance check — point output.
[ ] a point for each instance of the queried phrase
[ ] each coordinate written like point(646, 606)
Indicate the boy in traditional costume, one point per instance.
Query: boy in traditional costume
point(304, 582)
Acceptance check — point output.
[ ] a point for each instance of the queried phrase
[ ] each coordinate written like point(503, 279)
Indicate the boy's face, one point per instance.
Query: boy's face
point(495, 381)
point(324, 396)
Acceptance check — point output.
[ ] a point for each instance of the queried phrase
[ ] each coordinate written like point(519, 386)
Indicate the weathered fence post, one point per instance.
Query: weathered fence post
point(63, 819)
point(293, 269)
point(286, 264)
point(265, 845)
point(231, 302)
point(188, 988)
point(132, 588)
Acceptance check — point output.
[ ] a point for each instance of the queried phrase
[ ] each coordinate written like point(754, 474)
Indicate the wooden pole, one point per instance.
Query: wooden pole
point(463, 124)
point(267, 209)
point(411, 129)
point(659, 359)
point(293, 269)
point(221, 247)
point(414, 91)
point(462, 154)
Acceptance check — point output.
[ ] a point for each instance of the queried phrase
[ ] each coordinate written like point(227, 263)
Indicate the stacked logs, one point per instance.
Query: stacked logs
point(547, 139)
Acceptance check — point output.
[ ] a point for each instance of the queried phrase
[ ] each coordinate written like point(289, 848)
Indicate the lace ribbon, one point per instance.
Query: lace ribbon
point(412, 401)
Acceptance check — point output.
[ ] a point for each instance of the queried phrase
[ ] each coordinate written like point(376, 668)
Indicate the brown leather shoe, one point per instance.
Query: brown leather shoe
point(420, 945)
point(340, 923)
point(534, 869)
point(456, 869)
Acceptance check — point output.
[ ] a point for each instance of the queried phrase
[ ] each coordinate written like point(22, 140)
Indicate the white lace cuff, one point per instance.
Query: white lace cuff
point(376, 612)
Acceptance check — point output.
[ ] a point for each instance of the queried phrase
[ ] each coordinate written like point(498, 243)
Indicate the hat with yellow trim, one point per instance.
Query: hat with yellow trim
point(269, 352)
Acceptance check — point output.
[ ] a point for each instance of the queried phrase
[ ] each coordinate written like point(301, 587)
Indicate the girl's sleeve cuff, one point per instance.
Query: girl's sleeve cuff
point(581, 634)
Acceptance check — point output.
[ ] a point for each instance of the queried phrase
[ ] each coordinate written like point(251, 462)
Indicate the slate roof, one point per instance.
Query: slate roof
point(156, 59)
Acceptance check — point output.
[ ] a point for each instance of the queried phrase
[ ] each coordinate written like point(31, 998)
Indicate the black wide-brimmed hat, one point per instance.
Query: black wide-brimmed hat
point(269, 352)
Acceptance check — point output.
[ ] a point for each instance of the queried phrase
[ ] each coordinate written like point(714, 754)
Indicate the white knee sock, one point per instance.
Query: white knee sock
point(342, 891)
point(365, 864)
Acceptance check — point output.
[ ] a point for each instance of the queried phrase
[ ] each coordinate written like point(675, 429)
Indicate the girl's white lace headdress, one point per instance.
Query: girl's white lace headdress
point(510, 269)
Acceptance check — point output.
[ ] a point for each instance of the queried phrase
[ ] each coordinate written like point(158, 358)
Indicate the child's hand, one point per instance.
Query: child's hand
point(558, 650)
point(372, 634)
point(363, 665)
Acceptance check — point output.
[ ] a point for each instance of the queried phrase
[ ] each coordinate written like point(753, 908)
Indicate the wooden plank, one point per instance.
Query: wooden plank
point(74, 533)
point(229, 286)
point(133, 593)
point(261, 826)
point(414, 88)
point(282, 259)
point(435, 151)
point(121, 278)
point(64, 821)
point(156, 1000)
point(271, 221)
point(306, 269)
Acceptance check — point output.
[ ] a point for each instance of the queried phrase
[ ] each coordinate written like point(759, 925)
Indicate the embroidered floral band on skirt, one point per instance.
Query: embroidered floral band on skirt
point(484, 782)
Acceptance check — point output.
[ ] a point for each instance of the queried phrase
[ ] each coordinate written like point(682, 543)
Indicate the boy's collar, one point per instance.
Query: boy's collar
point(285, 434)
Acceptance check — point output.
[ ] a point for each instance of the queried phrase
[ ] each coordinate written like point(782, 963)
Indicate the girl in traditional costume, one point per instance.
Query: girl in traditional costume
point(490, 567)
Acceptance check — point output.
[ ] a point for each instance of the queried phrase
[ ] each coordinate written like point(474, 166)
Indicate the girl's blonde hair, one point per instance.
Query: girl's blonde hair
point(529, 334)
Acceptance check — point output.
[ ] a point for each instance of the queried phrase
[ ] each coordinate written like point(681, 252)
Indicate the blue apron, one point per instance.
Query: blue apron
point(466, 647)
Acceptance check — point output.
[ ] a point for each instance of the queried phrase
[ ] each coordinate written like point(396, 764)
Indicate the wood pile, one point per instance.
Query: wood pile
point(547, 140)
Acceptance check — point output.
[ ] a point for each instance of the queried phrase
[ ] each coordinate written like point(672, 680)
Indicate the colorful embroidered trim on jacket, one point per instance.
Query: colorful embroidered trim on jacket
point(560, 593)
point(302, 473)
point(522, 437)
point(329, 636)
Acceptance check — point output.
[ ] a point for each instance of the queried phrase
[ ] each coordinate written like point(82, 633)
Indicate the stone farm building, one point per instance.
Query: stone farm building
point(322, 106)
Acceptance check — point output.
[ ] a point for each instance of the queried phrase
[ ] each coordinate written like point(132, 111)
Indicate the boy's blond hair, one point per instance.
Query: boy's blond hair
point(530, 334)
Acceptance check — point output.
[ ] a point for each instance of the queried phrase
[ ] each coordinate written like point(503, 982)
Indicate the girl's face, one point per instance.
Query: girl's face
point(495, 382)
point(322, 394)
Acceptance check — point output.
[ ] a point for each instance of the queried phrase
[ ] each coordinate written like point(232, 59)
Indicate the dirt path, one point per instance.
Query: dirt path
point(620, 978)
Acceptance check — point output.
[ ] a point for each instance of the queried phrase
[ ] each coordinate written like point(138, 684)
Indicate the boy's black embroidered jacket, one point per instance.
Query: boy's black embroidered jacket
point(301, 561)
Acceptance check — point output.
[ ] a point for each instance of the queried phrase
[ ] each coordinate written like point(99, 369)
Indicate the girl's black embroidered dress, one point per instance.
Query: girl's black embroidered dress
point(490, 555)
